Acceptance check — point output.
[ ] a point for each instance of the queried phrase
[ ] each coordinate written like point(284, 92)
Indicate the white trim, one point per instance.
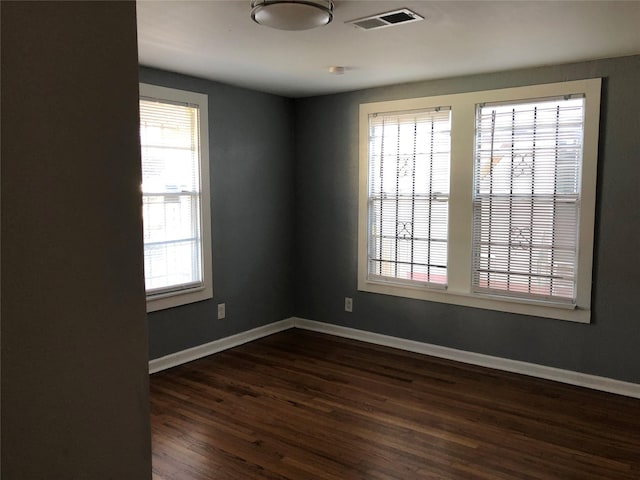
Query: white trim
point(194, 353)
point(524, 368)
point(593, 382)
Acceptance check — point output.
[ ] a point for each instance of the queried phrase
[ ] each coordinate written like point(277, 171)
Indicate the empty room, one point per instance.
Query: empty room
point(316, 239)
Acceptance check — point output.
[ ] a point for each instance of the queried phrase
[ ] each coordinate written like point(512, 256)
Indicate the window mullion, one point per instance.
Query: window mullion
point(461, 198)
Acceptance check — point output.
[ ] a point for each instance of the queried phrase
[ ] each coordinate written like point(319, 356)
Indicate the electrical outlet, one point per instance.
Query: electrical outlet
point(348, 304)
point(221, 311)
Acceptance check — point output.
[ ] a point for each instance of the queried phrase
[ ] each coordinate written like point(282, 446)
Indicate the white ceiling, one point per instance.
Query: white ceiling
point(218, 40)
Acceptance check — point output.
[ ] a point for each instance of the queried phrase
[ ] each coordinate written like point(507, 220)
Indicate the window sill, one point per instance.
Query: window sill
point(466, 299)
point(176, 299)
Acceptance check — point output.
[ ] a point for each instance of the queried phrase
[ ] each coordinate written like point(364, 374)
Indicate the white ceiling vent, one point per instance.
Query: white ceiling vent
point(387, 19)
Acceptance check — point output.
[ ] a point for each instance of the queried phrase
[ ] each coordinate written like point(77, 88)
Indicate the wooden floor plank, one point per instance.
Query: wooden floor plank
point(301, 405)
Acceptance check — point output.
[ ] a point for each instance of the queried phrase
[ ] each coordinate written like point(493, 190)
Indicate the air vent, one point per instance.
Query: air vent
point(387, 19)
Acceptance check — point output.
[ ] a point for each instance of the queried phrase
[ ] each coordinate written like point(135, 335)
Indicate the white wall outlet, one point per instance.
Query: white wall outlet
point(348, 304)
point(221, 311)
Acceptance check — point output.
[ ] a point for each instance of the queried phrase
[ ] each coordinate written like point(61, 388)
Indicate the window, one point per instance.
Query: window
point(408, 196)
point(175, 194)
point(482, 199)
point(527, 197)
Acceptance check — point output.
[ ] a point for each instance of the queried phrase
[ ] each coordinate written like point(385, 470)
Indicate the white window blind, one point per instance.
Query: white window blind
point(526, 202)
point(408, 185)
point(171, 191)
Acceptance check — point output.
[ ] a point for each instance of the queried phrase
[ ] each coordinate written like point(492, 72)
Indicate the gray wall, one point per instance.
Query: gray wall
point(252, 172)
point(326, 187)
point(74, 333)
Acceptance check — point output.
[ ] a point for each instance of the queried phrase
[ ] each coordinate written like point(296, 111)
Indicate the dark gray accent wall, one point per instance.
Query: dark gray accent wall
point(75, 401)
point(326, 191)
point(252, 172)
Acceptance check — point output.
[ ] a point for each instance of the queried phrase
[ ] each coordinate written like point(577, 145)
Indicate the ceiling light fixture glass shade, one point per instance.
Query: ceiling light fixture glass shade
point(292, 14)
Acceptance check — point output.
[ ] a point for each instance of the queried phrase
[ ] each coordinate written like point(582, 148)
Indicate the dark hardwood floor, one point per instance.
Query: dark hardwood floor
point(301, 405)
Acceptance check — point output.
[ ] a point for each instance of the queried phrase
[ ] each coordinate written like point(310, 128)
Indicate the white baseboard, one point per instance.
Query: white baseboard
point(565, 376)
point(190, 354)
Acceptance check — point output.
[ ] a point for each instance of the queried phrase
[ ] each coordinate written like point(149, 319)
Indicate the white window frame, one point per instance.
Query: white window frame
point(463, 116)
point(205, 290)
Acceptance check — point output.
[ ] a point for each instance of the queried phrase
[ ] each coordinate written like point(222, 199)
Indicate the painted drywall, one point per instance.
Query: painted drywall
point(74, 336)
point(252, 171)
point(326, 190)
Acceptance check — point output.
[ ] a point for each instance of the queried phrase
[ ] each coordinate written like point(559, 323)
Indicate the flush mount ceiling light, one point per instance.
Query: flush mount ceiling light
point(292, 14)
